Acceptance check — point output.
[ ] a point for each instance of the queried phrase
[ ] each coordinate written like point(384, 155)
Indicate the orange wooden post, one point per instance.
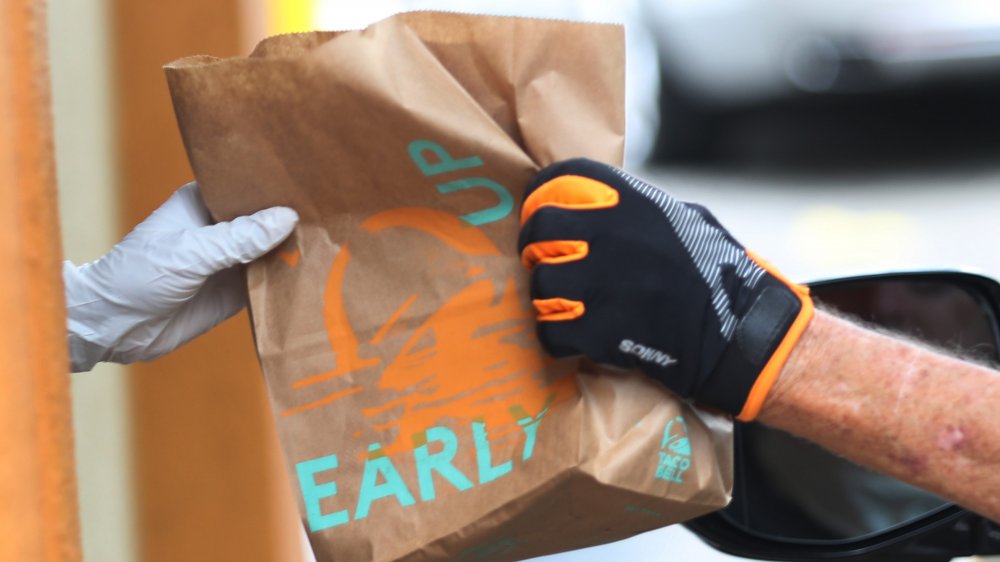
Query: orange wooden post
point(211, 485)
point(38, 506)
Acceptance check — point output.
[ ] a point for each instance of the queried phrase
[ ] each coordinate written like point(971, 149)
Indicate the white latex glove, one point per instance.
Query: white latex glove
point(170, 280)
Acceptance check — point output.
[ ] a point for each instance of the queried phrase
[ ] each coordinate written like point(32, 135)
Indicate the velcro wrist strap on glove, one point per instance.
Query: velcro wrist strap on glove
point(629, 276)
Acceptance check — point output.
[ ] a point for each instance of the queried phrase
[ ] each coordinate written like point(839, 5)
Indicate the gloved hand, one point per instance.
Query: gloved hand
point(167, 282)
point(629, 276)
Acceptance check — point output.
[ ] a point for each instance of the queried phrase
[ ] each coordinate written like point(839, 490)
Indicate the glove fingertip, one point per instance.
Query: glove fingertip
point(242, 239)
point(276, 224)
point(280, 220)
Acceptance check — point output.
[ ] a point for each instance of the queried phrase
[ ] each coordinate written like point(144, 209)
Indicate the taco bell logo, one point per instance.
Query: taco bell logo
point(675, 452)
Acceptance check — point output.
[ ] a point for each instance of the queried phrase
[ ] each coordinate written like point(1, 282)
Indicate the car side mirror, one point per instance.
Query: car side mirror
point(793, 500)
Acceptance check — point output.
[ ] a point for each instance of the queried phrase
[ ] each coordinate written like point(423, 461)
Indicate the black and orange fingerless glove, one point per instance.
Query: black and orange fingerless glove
point(627, 275)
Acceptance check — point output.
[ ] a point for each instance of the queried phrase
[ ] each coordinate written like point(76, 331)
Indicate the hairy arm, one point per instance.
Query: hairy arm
point(899, 408)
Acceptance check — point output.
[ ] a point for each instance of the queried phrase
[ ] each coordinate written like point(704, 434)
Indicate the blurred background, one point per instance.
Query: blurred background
point(831, 137)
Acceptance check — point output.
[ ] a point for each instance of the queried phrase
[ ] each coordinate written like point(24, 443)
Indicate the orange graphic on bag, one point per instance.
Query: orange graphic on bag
point(474, 359)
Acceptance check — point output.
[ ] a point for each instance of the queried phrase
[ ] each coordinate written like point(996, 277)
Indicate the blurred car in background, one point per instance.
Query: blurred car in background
point(719, 56)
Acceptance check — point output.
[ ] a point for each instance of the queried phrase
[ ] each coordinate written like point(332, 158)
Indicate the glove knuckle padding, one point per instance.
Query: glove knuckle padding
point(667, 289)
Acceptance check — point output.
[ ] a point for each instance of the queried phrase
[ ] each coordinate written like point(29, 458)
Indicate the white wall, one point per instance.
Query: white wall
point(79, 49)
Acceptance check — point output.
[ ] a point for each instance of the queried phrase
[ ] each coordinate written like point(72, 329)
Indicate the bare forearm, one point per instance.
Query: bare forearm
point(925, 418)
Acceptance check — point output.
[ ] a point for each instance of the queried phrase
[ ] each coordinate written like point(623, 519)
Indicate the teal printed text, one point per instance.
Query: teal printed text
point(432, 159)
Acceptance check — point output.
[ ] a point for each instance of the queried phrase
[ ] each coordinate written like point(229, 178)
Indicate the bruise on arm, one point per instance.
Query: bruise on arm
point(895, 406)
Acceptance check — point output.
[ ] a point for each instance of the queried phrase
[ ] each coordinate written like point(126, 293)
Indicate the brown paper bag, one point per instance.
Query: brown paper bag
point(419, 417)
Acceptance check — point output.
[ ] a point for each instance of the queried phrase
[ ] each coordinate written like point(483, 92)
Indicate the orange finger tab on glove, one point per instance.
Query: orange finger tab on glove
point(569, 192)
point(558, 310)
point(553, 251)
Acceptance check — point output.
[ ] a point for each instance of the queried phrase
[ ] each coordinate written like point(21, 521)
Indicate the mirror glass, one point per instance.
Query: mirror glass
point(790, 489)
